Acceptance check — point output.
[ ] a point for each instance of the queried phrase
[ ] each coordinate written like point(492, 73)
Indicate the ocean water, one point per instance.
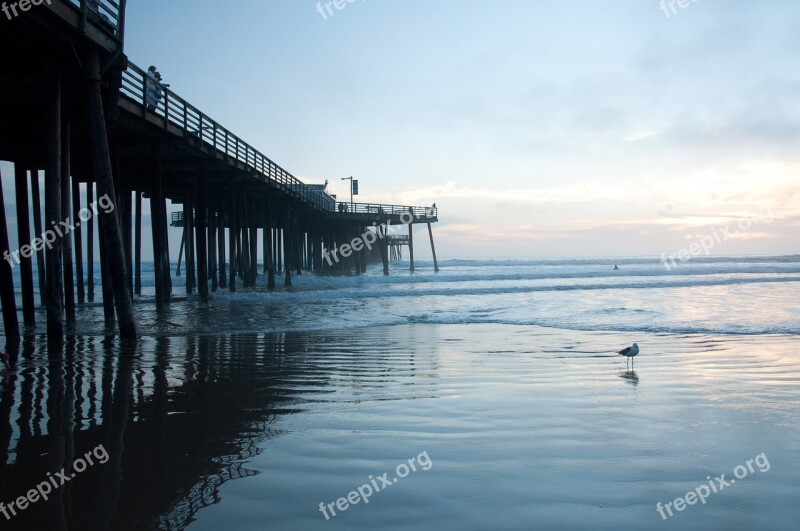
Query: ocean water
point(729, 295)
point(499, 379)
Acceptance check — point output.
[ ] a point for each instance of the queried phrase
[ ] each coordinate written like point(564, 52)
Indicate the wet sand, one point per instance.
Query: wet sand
point(524, 427)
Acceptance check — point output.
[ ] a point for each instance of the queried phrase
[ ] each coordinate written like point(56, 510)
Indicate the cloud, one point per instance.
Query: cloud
point(641, 135)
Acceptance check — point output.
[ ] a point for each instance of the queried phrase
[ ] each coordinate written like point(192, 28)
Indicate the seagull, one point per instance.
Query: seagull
point(629, 352)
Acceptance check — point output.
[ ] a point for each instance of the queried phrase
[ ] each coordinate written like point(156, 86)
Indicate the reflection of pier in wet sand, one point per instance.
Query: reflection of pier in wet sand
point(172, 422)
point(178, 416)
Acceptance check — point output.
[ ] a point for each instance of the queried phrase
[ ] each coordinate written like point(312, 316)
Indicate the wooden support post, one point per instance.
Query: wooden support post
point(253, 243)
point(279, 249)
point(78, 239)
point(287, 248)
point(52, 214)
point(66, 205)
point(7, 297)
point(274, 245)
point(167, 268)
point(433, 249)
point(126, 213)
point(212, 243)
point(239, 245)
point(313, 249)
point(247, 243)
point(244, 243)
point(37, 226)
point(297, 247)
point(364, 255)
point(188, 221)
point(384, 245)
point(180, 251)
point(240, 266)
point(137, 245)
point(89, 244)
point(244, 249)
point(156, 219)
point(24, 238)
point(232, 240)
point(324, 250)
point(411, 245)
point(271, 238)
point(105, 284)
point(264, 241)
point(109, 225)
point(223, 280)
point(269, 259)
point(312, 243)
point(202, 241)
point(306, 254)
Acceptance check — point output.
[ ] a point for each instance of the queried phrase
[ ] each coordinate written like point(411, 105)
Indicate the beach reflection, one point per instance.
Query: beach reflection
point(301, 418)
point(630, 376)
point(177, 416)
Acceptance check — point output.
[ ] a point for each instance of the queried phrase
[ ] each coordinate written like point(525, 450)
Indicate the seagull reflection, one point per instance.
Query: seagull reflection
point(630, 376)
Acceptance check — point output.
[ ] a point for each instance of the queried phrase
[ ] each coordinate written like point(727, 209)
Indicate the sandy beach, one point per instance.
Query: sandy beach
point(522, 426)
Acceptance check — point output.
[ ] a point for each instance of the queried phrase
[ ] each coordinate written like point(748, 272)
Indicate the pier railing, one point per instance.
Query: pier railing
point(106, 14)
point(390, 210)
point(176, 112)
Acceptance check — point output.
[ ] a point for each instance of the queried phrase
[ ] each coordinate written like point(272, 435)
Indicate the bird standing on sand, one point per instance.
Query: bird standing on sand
point(629, 353)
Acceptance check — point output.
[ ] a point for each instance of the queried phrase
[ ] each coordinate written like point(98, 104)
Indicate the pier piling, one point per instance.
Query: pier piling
point(109, 224)
point(287, 251)
point(137, 245)
point(223, 281)
point(37, 226)
point(54, 287)
point(162, 297)
point(66, 206)
point(78, 239)
point(232, 241)
point(269, 257)
point(89, 244)
point(200, 231)
point(433, 249)
point(411, 246)
point(188, 220)
point(7, 297)
point(23, 237)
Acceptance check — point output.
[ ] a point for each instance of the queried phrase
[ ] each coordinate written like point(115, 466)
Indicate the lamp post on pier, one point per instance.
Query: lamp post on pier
point(353, 189)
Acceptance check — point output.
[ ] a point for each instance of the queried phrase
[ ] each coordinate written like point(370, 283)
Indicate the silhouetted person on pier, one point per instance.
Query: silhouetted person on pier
point(154, 86)
point(152, 90)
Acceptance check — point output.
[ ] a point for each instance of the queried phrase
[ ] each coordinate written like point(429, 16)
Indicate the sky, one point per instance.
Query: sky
point(571, 128)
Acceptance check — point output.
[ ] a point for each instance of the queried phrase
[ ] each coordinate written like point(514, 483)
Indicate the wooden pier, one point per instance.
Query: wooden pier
point(74, 107)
